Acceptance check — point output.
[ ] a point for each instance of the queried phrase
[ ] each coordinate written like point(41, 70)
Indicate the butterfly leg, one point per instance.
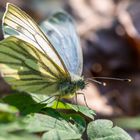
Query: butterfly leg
point(76, 101)
point(48, 100)
point(84, 98)
point(58, 99)
point(43, 100)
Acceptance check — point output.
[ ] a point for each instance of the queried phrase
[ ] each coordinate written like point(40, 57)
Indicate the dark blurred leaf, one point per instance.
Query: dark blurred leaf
point(24, 102)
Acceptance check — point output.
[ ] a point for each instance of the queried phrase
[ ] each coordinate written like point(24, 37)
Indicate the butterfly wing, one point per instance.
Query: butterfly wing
point(61, 31)
point(28, 69)
point(28, 60)
point(17, 23)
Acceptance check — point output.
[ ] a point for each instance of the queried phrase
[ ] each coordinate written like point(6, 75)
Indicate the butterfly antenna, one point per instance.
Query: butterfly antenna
point(98, 82)
point(107, 78)
point(112, 78)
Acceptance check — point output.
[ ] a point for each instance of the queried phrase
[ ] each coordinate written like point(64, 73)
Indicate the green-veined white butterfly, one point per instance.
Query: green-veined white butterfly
point(33, 62)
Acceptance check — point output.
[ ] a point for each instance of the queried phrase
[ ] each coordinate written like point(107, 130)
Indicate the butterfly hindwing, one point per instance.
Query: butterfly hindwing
point(61, 31)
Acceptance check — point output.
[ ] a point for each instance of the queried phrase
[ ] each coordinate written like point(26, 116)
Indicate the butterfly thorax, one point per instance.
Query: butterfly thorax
point(68, 88)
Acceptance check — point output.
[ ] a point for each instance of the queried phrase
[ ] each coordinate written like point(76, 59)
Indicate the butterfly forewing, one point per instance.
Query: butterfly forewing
point(61, 31)
point(17, 23)
point(27, 68)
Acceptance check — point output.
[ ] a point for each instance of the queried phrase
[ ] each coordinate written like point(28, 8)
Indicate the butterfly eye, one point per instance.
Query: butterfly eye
point(80, 84)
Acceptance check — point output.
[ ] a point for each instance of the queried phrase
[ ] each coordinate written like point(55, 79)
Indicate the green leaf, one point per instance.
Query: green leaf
point(17, 125)
point(127, 122)
point(78, 108)
point(15, 131)
point(7, 108)
point(84, 110)
point(7, 113)
point(76, 119)
point(60, 135)
point(23, 136)
point(41, 123)
point(24, 102)
point(104, 130)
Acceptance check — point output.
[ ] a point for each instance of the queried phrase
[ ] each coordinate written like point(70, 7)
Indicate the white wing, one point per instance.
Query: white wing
point(16, 22)
point(61, 31)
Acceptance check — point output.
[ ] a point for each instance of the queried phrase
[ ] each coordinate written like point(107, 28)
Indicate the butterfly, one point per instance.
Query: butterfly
point(44, 59)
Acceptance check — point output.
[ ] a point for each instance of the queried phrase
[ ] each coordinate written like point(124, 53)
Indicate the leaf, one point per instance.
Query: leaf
point(60, 135)
point(78, 108)
point(104, 130)
point(7, 113)
point(69, 117)
point(77, 120)
point(17, 125)
point(23, 136)
point(7, 108)
point(40, 123)
point(127, 122)
point(24, 102)
point(84, 110)
point(15, 131)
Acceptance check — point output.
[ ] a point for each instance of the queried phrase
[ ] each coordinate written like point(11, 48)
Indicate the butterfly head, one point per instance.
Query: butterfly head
point(80, 84)
point(70, 87)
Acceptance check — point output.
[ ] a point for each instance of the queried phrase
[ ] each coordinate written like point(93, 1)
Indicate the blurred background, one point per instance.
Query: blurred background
point(109, 32)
